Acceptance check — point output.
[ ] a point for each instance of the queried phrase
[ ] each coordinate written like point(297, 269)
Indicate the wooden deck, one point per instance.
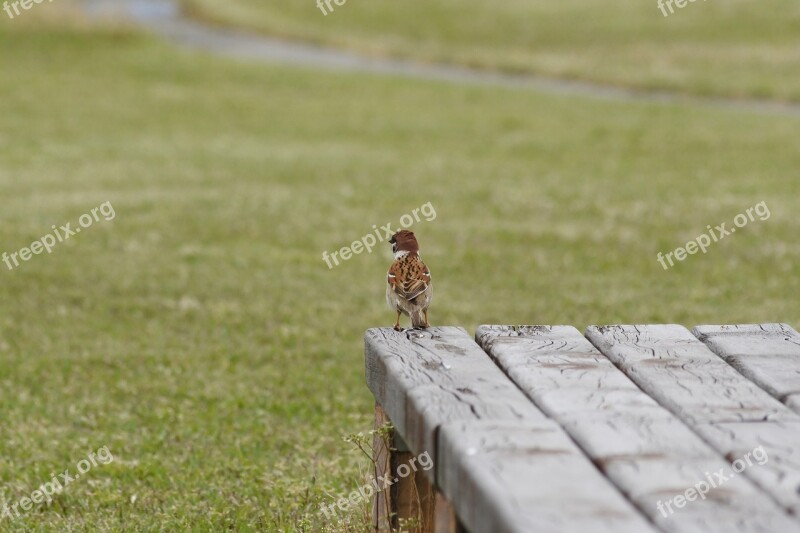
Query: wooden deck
point(621, 429)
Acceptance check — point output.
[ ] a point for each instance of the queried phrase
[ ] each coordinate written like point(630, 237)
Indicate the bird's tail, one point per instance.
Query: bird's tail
point(418, 319)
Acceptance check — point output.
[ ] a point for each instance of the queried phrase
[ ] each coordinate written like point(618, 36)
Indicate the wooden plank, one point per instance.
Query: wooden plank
point(411, 496)
point(644, 449)
point(725, 408)
point(545, 483)
point(778, 442)
point(444, 516)
point(767, 354)
point(793, 402)
point(679, 372)
point(411, 499)
point(425, 380)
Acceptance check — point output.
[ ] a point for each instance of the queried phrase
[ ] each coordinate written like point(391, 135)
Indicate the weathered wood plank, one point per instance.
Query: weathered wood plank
point(767, 354)
point(411, 499)
point(678, 371)
point(411, 496)
point(729, 411)
point(659, 484)
point(644, 449)
point(444, 516)
point(425, 380)
point(793, 402)
point(505, 477)
point(777, 443)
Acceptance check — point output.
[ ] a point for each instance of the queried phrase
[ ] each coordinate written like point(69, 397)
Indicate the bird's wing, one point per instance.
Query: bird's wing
point(409, 277)
point(394, 277)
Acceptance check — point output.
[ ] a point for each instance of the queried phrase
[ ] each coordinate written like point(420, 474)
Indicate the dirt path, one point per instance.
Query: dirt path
point(164, 18)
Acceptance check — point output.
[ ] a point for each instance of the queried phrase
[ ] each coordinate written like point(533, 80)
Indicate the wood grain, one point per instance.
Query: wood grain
point(423, 379)
point(446, 397)
point(767, 354)
point(504, 478)
point(681, 373)
point(647, 452)
point(726, 409)
point(778, 442)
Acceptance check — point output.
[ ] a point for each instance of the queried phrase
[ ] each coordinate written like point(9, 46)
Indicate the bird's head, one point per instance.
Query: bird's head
point(404, 241)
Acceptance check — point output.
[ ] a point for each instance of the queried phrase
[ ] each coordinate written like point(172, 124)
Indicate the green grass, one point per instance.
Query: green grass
point(201, 337)
point(742, 48)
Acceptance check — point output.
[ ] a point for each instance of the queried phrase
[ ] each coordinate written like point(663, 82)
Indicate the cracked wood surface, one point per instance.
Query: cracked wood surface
point(528, 478)
point(728, 410)
point(425, 378)
point(767, 354)
point(779, 442)
point(504, 466)
point(648, 452)
point(681, 373)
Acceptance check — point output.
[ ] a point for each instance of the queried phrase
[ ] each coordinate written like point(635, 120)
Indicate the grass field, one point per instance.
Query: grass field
point(741, 48)
point(200, 336)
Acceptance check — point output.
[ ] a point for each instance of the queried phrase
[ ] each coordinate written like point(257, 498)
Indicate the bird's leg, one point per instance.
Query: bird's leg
point(397, 323)
point(425, 312)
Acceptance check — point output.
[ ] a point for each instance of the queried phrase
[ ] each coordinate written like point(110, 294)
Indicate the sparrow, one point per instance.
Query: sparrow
point(409, 290)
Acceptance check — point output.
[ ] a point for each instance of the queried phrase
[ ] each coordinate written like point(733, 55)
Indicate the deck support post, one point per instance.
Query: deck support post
point(412, 502)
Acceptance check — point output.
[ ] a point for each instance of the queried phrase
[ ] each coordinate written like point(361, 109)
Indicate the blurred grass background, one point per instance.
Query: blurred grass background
point(201, 337)
point(736, 48)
